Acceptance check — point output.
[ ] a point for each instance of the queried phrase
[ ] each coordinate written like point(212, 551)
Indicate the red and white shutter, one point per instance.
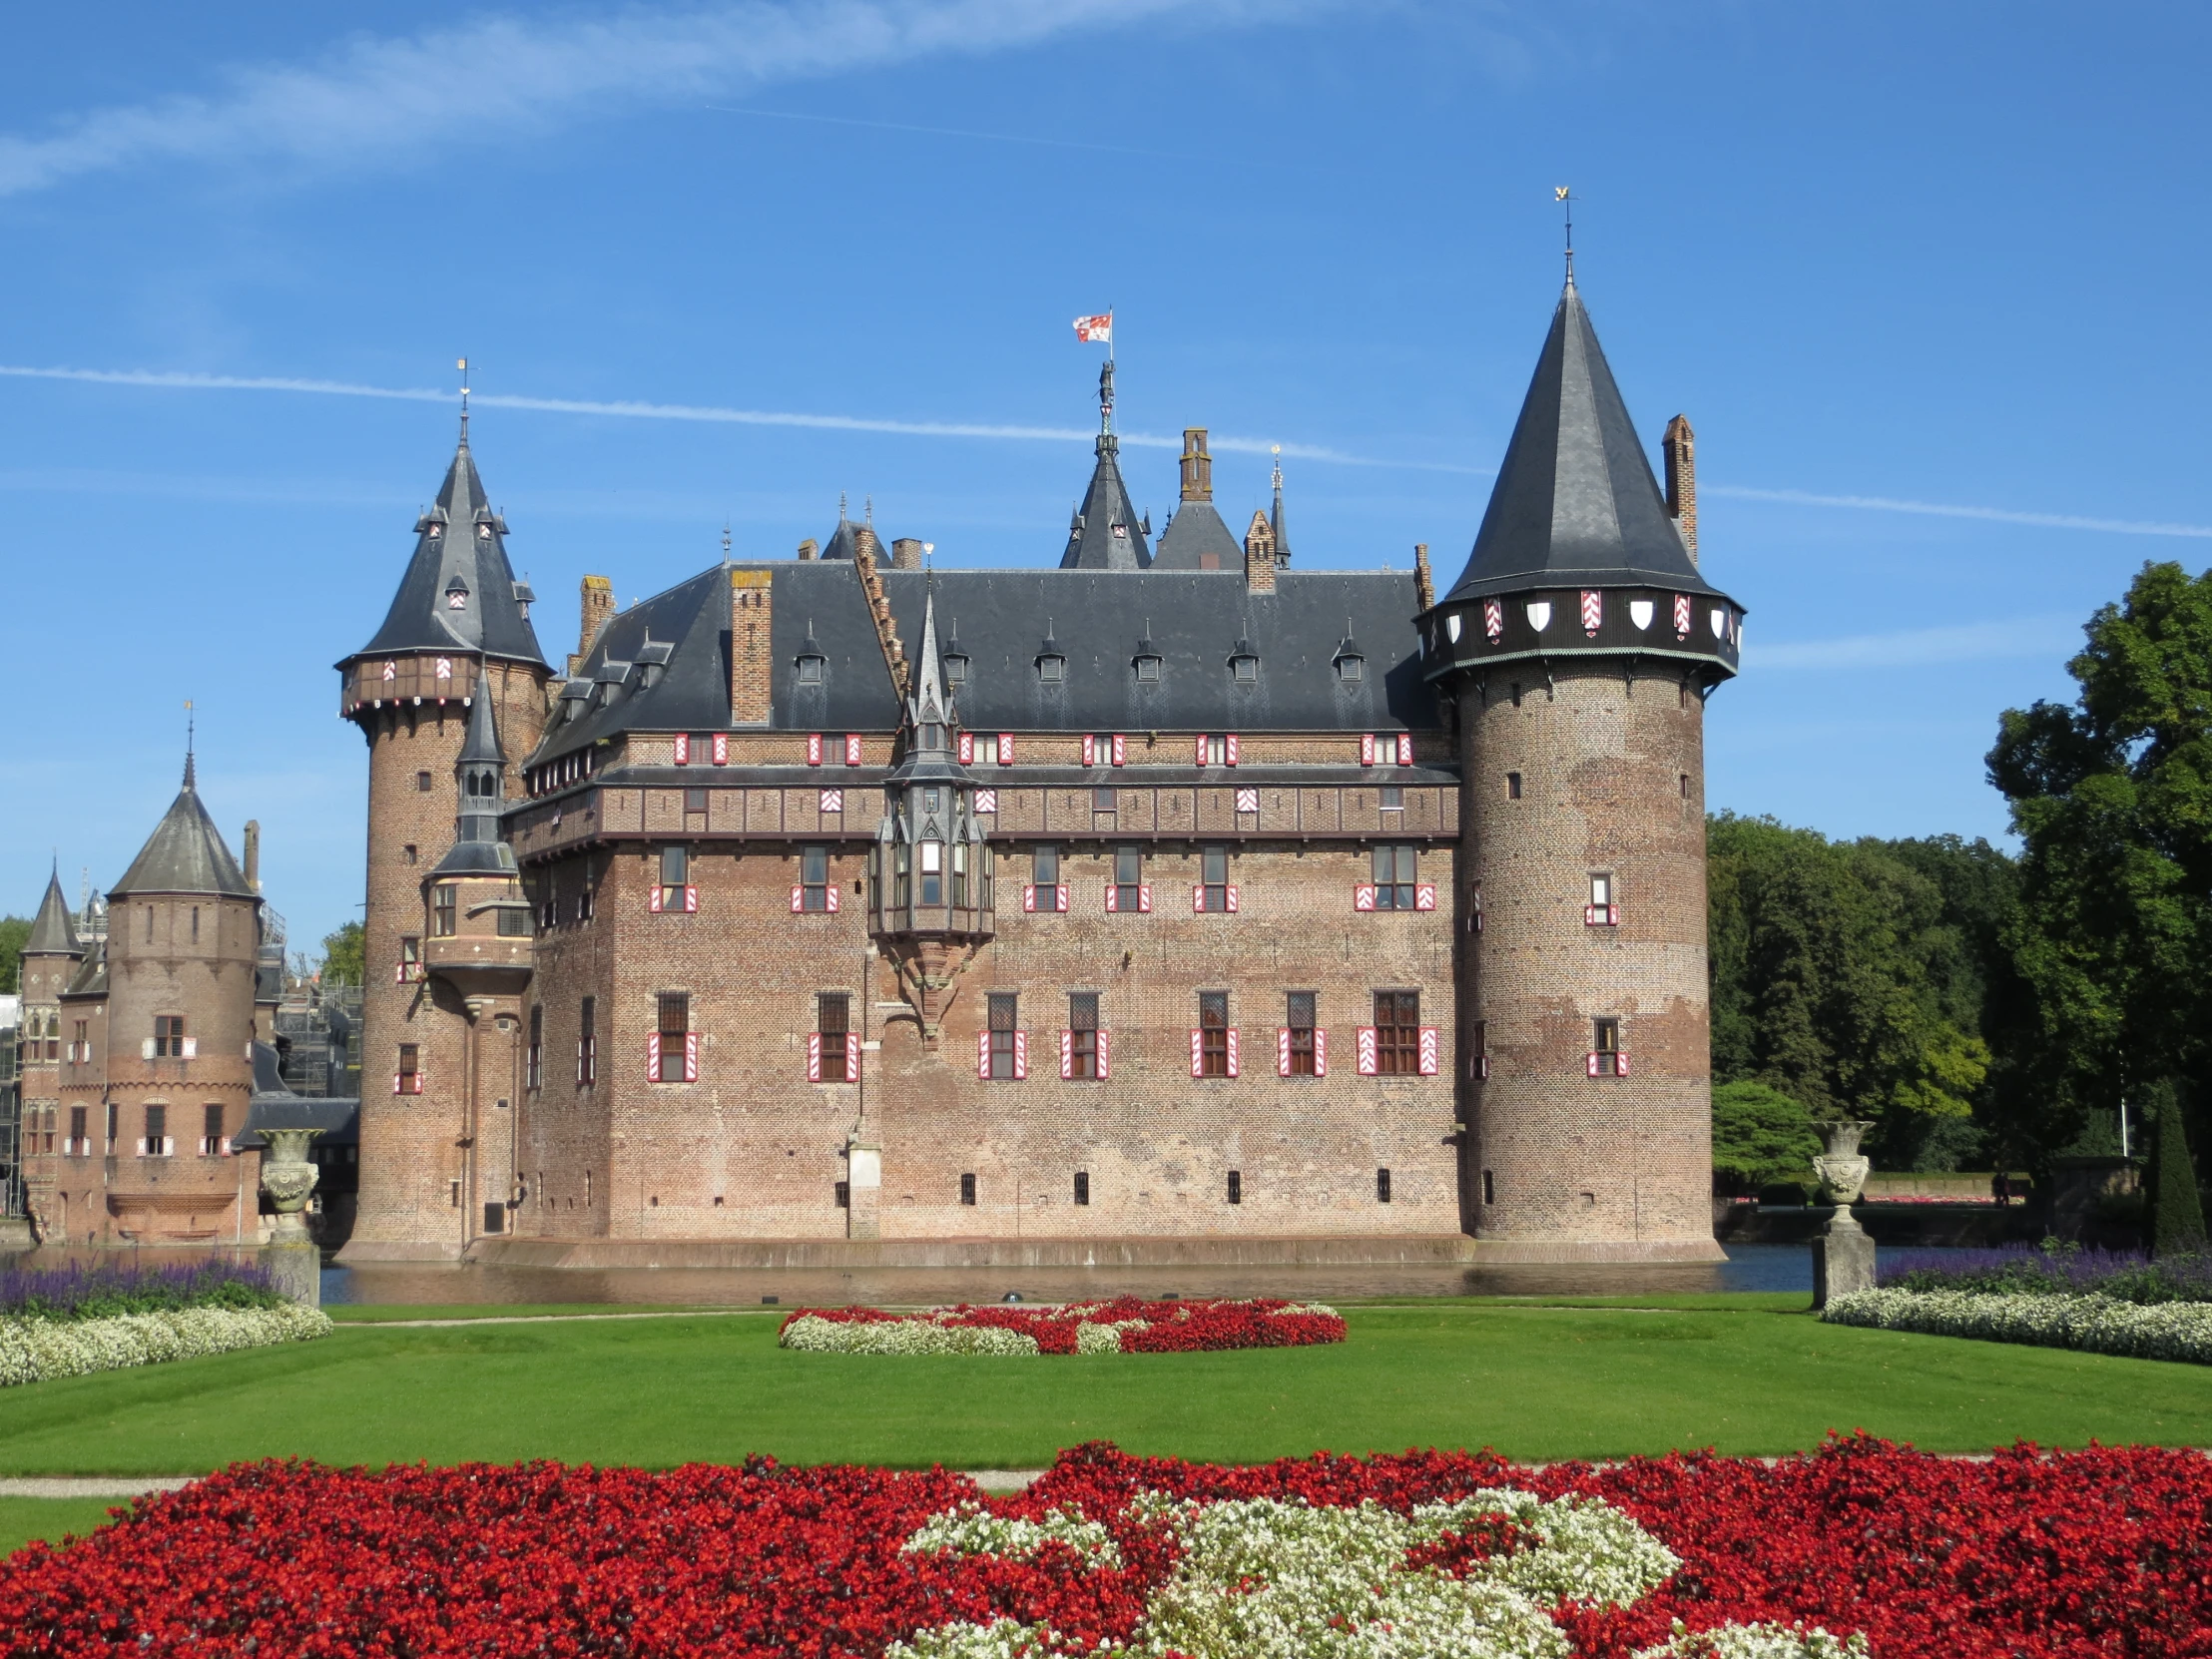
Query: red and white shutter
point(968, 748)
point(1593, 1062)
point(1363, 897)
point(1232, 898)
point(1281, 1051)
point(986, 802)
point(1121, 750)
point(1620, 1064)
point(814, 1056)
point(1005, 748)
point(1197, 898)
point(813, 749)
point(691, 1056)
point(1233, 1069)
point(1248, 800)
point(832, 801)
point(1021, 1055)
point(983, 1055)
point(1681, 616)
point(1067, 1056)
point(653, 1057)
point(1424, 897)
point(1494, 618)
point(852, 749)
point(1368, 1057)
point(1060, 897)
point(682, 749)
point(1102, 1046)
point(1198, 1052)
point(1090, 751)
point(1429, 1044)
point(798, 901)
point(720, 749)
point(1144, 898)
point(1593, 611)
point(1321, 1053)
point(1405, 749)
point(1029, 898)
point(652, 898)
point(1202, 751)
point(1366, 749)
point(830, 898)
point(1229, 750)
point(691, 901)
point(1113, 897)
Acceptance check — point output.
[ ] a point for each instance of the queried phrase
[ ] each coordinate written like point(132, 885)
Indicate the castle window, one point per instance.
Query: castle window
point(1351, 666)
point(967, 1189)
point(1217, 750)
point(673, 1056)
point(1244, 663)
point(1083, 1042)
point(955, 666)
point(115, 1119)
point(1105, 801)
point(584, 905)
point(549, 914)
point(1479, 1050)
point(1148, 668)
point(813, 878)
point(157, 1143)
point(1004, 1058)
point(213, 1144)
point(1301, 1052)
point(1391, 797)
point(844, 1194)
point(169, 1036)
point(1685, 785)
point(196, 924)
point(444, 910)
point(1044, 872)
point(1082, 1185)
point(1397, 870)
point(408, 1079)
point(902, 878)
point(1382, 1186)
point(1215, 1048)
point(832, 1041)
point(809, 668)
point(1606, 1057)
point(1397, 1033)
point(1129, 890)
point(933, 872)
point(1489, 1189)
point(1213, 893)
point(422, 783)
point(514, 920)
point(1052, 668)
point(694, 799)
point(675, 874)
point(1602, 911)
point(959, 874)
point(1236, 1186)
point(587, 1043)
point(534, 1073)
point(1512, 785)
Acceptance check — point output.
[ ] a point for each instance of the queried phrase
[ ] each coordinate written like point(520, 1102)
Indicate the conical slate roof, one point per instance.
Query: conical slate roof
point(184, 853)
point(1576, 503)
point(52, 933)
point(459, 592)
point(482, 742)
point(1106, 534)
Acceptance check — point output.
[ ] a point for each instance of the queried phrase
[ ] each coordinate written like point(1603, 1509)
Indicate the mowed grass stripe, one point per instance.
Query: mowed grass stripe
point(1537, 1383)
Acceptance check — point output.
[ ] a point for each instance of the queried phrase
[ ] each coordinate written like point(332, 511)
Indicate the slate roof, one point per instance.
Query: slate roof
point(460, 545)
point(1106, 533)
point(91, 977)
point(1576, 503)
point(482, 741)
point(52, 932)
point(1195, 530)
point(184, 853)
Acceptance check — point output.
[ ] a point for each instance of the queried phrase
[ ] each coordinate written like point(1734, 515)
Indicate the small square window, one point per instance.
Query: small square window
point(695, 801)
point(1082, 1185)
point(1104, 801)
point(1148, 669)
point(1602, 891)
point(1236, 1186)
point(1512, 785)
point(422, 782)
point(1382, 1186)
point(409, 854)
point(809, 671)
point(967, 1189)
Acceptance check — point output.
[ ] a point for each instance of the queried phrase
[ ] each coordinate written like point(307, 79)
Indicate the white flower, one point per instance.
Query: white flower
point(2093, 1324)
point(974, 1530)
point(35, 1349)
point(916, 1336)
point(1758, 1641)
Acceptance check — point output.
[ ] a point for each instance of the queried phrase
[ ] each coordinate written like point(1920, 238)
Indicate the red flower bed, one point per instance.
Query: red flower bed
point(2106, 1552)
point(1149, 1327)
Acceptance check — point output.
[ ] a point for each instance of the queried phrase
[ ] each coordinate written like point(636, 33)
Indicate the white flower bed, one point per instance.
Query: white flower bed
point(2093, 1324)
point(1267, 1579)
point(915, 1336)
point(38, 1350)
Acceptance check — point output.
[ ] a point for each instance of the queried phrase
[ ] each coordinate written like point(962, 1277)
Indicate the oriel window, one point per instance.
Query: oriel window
point(1396, 870)
point(445, 910)
point(1397, 1033)
point(933, 872)
point(1213, 1033)
point(1083, 1034)
point(959, 874)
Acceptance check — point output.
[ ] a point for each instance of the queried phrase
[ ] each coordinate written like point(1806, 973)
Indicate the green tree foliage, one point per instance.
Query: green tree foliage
point(15, 931)
point(2111, 797)
point(1761, 1137)
point(2176, 1209)
point(343, 955)
point(1852, 976)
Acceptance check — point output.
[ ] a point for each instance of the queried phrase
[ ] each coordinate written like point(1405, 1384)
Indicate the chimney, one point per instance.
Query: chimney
point(1425, 585)
point(598, 606)
point(1198, 466)
point(254, 853)
point(1679, 448)
point(1258, 553)
point(751, 651)
point(809, 548)
point(907, 554)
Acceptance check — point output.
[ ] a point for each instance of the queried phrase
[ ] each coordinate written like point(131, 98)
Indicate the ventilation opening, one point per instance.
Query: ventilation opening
point(967, 1189)
point(1489, 1189)
point(1082, 1185)
point(1382, 1186)
point(1512, 785)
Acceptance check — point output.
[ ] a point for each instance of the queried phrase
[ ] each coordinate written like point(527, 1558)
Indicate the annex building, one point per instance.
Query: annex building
point(1166, 902)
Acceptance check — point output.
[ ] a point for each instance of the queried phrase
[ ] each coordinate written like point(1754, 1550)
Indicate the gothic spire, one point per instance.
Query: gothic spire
point(1106, 533)
point(1282, 535)
point(51, 932)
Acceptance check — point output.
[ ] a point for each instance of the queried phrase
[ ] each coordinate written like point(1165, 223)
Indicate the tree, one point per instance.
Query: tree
point(2111, 797)
point(2176, 1210)
point(15, 933)
point(343, 955)
point(1761, 1137)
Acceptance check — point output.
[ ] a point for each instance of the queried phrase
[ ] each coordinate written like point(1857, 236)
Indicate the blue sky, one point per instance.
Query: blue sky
point(1938, 257)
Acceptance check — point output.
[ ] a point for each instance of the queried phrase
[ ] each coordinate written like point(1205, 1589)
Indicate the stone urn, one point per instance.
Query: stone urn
point(287, 1178)
point(1842, 1168)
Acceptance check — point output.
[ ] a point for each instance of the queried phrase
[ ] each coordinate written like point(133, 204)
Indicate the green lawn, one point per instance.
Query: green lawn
point(51, 1518)
point(1535, 1380)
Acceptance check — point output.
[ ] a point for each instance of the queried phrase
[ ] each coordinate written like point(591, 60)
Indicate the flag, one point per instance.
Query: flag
point(1095, 330)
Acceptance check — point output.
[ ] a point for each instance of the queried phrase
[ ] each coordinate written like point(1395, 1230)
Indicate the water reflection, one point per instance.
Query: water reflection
point(1748, 1268)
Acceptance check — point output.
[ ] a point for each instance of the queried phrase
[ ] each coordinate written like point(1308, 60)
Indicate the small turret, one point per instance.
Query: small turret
point(1105, 533)
point(479, 921)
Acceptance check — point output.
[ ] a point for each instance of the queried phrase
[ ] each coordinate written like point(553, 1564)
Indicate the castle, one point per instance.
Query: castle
point(1170, 904)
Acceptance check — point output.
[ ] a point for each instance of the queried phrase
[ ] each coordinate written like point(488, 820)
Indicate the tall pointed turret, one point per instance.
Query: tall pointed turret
point(459, 592)
point(1275, 522)
point(52, 933)
point(481, 776)
point(186, 854)
point(1106, 534)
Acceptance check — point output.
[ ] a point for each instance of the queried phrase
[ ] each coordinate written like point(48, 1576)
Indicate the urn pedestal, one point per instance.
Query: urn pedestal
point(291, 1257)
point(1843, 1255)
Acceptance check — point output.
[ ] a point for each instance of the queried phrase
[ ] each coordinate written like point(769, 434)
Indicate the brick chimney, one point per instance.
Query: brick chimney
point(1424, 584)
point(752, 653)
point(254, 853)
point(809, 548)
point(907, 554)
point(1258, 553)
point(1679, 448)
point(1198, 466)
point(598, 606)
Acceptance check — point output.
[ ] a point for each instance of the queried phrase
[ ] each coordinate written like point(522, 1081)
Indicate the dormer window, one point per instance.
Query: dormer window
point(456, 595)
point(1351, 666)
point(1052, 667)
point(811, 666)
point(1147, 662)
point(1244, 663)
point(955, 666)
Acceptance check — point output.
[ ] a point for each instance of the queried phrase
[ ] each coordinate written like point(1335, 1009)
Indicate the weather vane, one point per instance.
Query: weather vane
point(1565, 197)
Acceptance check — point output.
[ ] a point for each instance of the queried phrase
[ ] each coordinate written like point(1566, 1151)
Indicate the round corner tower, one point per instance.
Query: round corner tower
point(1577, 650)
point(458, 629)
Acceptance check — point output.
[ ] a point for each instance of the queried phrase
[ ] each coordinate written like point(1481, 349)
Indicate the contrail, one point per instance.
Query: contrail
point(634, 410)
point(1937, 509)
point(951, 132)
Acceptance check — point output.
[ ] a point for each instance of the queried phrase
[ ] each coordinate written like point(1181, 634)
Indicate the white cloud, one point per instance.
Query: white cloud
point(380, 99)
point(2055, 637)
point(1939, 509)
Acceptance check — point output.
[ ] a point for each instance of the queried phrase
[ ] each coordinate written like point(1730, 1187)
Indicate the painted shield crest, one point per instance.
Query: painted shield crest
point(1452, 627)
point(1539, 614)
point(1720, 622)
point(1639, 612)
